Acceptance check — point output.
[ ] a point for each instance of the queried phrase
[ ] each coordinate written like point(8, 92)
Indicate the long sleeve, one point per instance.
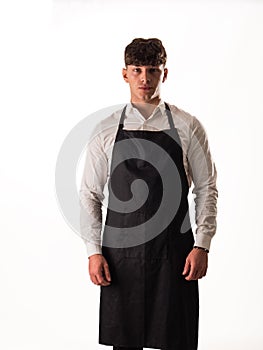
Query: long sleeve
point(91, 195)
point(204, 174)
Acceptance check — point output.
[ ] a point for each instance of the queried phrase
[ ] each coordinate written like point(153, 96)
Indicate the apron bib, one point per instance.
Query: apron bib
point(146, 239)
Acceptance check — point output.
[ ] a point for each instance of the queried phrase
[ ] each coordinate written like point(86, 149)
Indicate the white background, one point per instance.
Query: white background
point(62, 61)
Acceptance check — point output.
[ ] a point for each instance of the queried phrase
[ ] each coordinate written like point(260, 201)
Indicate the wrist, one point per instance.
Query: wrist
point(94, 255)
point(202, 248)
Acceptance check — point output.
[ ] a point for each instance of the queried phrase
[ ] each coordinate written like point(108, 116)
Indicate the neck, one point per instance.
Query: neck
point(146, 108)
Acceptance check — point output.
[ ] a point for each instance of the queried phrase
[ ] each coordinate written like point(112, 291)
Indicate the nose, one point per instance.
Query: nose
point(145, 78)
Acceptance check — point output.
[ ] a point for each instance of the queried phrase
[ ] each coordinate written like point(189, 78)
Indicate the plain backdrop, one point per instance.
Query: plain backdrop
point(62, 61)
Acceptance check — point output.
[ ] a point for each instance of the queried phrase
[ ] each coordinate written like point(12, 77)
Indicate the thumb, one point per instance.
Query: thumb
point(186, 267)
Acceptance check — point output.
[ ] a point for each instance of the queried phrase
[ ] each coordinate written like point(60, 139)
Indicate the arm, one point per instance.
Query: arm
point(203, 172)
point(90, 200)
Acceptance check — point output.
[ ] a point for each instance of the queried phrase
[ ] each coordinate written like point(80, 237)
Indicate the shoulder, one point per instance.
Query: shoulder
point(107, 122)
point(185, 121)
point(180, 115)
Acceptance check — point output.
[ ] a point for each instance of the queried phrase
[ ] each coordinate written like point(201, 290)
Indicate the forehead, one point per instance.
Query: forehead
point(145, 67)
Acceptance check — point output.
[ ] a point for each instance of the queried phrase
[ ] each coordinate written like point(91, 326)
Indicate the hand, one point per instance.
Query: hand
point(196, 265)
point(99, 270)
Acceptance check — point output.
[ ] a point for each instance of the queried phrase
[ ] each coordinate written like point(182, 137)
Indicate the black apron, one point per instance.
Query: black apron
point(146, 239)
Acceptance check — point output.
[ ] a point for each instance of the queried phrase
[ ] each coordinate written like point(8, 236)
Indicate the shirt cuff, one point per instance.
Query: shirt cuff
point(203, 240)
point(93, 249)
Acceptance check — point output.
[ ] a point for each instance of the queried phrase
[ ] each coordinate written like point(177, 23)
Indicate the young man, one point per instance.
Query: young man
point(148, 263)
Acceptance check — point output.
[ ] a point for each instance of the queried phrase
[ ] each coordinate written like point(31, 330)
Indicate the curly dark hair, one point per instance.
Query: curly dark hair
point(145, 52)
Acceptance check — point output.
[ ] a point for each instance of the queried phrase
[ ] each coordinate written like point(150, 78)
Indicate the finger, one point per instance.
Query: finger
point(192, 274)
point(98, 280)
point(94, 279)
point(202, 272)
point(107, 272)
point(186, 268)
point(102, 280)
point(198, 275)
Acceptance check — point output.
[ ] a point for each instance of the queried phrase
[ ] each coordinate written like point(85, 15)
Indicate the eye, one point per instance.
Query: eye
point(154, 70)
point(136, 70)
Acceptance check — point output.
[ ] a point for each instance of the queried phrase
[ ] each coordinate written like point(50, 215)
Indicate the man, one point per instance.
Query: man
point(148, 263)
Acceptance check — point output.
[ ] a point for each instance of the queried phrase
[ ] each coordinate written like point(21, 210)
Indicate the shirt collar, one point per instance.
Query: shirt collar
point(134, 111)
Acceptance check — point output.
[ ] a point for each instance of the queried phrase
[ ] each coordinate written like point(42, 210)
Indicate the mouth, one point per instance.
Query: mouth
point(145, 88)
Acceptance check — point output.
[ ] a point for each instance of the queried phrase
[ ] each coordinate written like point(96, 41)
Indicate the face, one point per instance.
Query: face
point(145, 82)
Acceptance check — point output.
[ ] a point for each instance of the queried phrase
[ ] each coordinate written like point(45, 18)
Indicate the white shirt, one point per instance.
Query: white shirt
point(198, 163)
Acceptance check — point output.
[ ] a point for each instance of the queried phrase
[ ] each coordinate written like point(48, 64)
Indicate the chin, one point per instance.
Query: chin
point(147, 97)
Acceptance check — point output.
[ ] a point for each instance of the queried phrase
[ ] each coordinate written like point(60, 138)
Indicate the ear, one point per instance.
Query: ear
point(124, 74)
point(165, 73)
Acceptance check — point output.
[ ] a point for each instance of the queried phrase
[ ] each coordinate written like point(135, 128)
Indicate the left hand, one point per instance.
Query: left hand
point(196, 264)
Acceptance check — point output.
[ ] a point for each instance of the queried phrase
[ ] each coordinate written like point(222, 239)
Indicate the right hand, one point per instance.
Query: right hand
point(99, 270)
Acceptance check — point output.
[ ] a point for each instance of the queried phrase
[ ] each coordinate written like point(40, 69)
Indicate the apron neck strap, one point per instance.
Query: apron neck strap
point(122, 117)
point(167, 109)
point(169, 114)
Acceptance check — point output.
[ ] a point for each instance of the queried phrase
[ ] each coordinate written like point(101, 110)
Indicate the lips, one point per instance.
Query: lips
point(145, 88)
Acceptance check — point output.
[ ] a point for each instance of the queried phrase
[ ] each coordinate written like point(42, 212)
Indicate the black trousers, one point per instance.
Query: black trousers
point(122, 348)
